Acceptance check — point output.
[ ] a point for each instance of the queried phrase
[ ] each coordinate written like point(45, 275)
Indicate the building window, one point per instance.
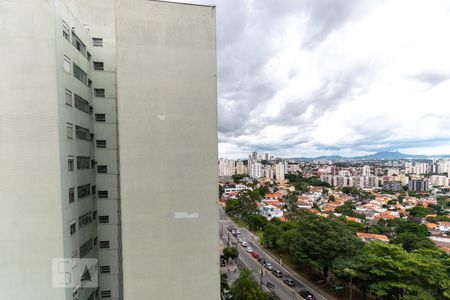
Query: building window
point(69, 127)
point(94, 188)
point(103, 244)
point(100, 143)
point(94, 215)
point(102, 169)
point(105, 294)
point(84, 191)
point(97, 42)
point(82, 133)
point(81, 104)
point(77, 43)
point(70, 163)
point(72, 194)
point(100, 117)
point(98, 65)
point(85, 248)
point(66, 31)
point(99, 93)
point(103, 194)
point(66, 64)
point(84, 220)
point(105, 269)
point(68, 97)
point(73, 227)
point(103, 219)
point(83, 162)
point(95, 242)
point(79, 74)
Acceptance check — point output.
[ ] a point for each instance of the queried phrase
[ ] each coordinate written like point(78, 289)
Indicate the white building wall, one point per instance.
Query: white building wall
point(168, 137)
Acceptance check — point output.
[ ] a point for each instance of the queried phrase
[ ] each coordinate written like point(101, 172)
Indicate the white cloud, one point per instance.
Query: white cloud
point(346, 77)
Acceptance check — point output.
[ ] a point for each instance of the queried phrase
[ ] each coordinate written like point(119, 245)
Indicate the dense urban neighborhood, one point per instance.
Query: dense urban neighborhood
point(375, 227)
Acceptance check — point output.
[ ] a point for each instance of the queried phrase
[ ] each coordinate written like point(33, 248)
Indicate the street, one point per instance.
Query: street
point(245, 260)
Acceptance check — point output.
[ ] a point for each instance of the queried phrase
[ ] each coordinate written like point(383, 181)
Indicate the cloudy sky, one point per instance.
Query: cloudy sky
point(319, 77)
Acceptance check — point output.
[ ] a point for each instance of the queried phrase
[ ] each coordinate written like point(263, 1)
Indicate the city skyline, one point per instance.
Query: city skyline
point(311, 78)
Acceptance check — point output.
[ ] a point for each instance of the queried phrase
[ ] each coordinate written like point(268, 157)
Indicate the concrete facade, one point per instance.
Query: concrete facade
point(147, 126)
point(166, 62)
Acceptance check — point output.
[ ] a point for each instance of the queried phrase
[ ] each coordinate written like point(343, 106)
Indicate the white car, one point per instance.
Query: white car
point(239, 240)
point(244, 244)
point(237, 231)
point(249, 249)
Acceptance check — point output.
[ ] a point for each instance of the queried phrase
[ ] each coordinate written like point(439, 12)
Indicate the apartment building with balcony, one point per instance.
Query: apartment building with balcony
point(108, 116)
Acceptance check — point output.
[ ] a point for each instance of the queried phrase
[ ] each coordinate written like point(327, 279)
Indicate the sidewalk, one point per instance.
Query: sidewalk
point(230, 269)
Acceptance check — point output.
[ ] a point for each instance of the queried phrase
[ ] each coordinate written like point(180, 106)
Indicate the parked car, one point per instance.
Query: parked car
point(230, 228)
point(244, 244)
point(249, 249)
point(306, 295)
point(270, 285)
point(234, 233)
point(255, 254)
point(262, 261)
point(240, 240)
point(289, 281)
point(268, 266)
point(277, 273)
point(237, 231)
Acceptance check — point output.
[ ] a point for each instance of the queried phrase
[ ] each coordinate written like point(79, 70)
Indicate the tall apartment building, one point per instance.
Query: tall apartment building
point(365, 171)
point(226, 167)
point(419, 185)
point(107, 126)
point(279, 171)
point(255, 169)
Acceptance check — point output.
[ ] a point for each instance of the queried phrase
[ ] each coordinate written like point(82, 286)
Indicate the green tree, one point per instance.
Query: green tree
point(346, 209)
point(321, 241)
point(232, 208)
point(392, 273)
point(243, 207)
point(221, 191)
point(230, 253)
point(237, 178)
point(412, 242)
point(441, 205)
point(271, 234)
point(419, 212)
point(257, 222)
point(224, 286)
point(246, 288)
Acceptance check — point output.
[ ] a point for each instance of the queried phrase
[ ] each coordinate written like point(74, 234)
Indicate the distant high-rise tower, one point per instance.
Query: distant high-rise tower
point(366, 171)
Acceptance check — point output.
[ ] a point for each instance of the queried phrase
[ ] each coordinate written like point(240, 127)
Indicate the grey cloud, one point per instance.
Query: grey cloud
point(433, 77)
point(245, 31)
